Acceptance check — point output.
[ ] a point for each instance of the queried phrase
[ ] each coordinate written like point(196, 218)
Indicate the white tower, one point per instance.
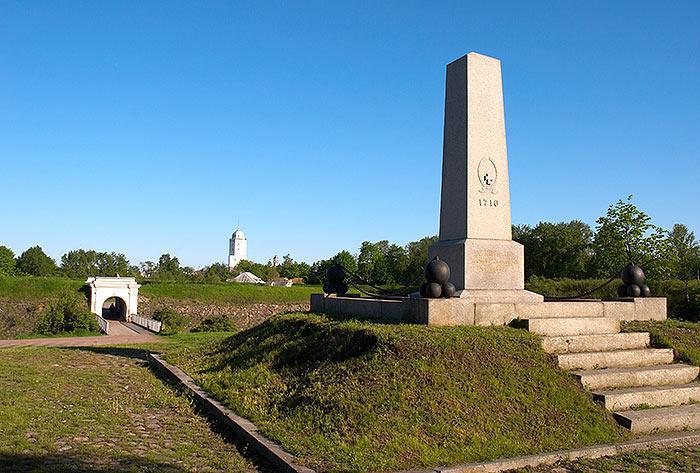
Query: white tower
point(237, 249)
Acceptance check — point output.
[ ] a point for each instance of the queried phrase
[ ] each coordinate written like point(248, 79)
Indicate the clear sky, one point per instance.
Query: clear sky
point(152, 127)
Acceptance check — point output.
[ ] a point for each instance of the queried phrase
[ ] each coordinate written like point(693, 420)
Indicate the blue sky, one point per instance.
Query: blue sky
point(152, 127)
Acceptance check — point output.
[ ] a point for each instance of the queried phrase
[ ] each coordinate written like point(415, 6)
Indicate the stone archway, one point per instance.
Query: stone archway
point(114, 308)
point(104, 288)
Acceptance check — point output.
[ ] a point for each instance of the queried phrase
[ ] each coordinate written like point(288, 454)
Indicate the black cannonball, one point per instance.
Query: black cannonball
point(434, 290)
point(423, 289)
point(335, 274)
point(633, 290)
point(646, 292)
point(621, 290)
point(437, 271)
point(632, 274)
point(448, 289)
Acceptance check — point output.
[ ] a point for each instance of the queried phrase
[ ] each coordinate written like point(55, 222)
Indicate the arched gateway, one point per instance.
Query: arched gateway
point(123, 291)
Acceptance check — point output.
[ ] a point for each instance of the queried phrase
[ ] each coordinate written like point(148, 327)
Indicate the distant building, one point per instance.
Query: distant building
point(237, 248)
point(248, 278)
point(284, 282)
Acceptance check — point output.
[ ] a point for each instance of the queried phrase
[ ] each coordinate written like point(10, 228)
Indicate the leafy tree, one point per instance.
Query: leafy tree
point(84, 263)
point(345, 259)
point(217, 272)
point(263, 271)
point(7, 261)
point(148, 269)
point(686, 251)
point(37, 263)
point(625, 235)
point(416, 259)
point(291, 269)
point(555, 250)
point(168, 269)
point(371, 262)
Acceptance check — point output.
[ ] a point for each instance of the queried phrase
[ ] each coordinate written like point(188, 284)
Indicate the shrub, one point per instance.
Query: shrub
point(67, 313)
point(220, 323)
point(173, 321)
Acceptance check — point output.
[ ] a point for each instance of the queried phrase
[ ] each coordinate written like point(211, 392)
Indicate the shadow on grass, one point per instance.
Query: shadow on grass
point(215, 426)
point(65, 462)
point(133, 353)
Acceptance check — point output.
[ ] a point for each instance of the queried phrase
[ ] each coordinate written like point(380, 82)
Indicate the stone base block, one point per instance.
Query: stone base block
point(500, 296)
point(441, 312)
point(482, 264)
point(490, 310)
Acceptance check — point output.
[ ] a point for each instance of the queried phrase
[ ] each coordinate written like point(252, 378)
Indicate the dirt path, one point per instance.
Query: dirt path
point(119, 334)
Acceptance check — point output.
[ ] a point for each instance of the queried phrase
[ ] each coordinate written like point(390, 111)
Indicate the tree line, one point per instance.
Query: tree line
point(552, 250)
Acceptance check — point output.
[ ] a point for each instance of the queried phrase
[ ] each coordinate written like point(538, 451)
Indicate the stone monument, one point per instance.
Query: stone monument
point(475, 230)
point(487, 266)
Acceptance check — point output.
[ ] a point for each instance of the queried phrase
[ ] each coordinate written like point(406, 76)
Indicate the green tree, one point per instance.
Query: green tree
point(37, 263)
point(686, 255)
point(345, 259)
point(396, 258)
point(83, 263)
point(148, 269)
point(626, 235)
point(168, 269)
point(555, 250)
point(216, 272)
point(292, 269)
point(7, 261)
point(417, 258)
point(371, 262)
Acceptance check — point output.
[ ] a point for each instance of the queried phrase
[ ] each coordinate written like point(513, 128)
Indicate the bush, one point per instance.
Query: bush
point(216, 324)
point(173, 321)
point(67, 313)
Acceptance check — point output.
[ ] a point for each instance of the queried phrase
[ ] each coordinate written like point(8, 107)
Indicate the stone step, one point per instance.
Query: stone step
point(566, 309)
point(611, 378)
point(592, 343)
point(615, 359)
point(569, 326)
point(662, 419)
point(651, 396)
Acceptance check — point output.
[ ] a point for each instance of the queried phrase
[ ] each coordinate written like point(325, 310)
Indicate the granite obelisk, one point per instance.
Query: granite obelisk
point(475, 229)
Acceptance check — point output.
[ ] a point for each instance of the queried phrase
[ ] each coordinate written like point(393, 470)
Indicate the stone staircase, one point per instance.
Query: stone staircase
point(642, 386)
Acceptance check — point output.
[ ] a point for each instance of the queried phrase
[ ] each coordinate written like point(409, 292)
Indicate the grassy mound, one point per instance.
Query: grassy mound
point(683, 337)
point(355, 396)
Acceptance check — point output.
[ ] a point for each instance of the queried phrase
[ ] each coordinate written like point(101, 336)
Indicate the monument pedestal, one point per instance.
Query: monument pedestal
point(486, 270)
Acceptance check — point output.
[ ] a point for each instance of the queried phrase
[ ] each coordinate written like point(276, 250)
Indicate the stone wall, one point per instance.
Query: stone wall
point(244, 316)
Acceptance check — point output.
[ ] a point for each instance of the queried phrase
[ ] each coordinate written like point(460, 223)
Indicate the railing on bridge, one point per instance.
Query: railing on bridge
point(104, 324)
point(150, 324)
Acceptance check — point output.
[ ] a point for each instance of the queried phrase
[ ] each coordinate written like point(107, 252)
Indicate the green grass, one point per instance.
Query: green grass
point(669, 461)
point(683, 337)
point(28, 288)
point(100, 410)
point(230, 293)
point(75, 333)
point(355, 396)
